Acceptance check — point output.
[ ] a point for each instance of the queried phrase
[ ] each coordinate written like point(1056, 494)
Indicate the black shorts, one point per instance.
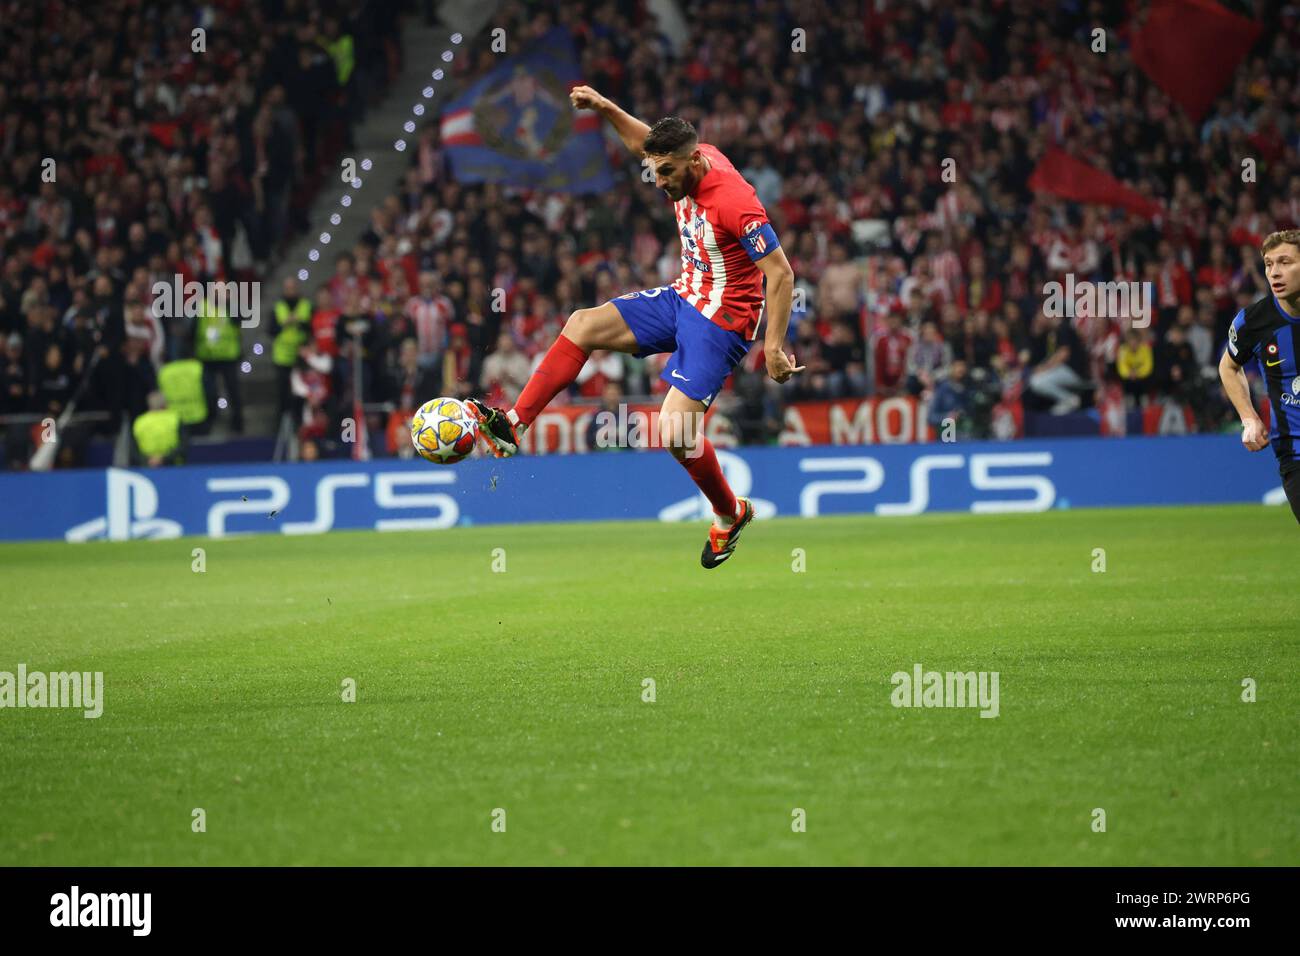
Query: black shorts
point(1291, 485)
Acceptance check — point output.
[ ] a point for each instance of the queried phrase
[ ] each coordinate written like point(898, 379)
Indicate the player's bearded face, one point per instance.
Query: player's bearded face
point(1282, 268)
point(677, 175)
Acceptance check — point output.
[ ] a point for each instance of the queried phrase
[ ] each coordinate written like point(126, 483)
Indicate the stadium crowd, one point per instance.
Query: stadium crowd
point(910, 283)
point(147, 141)
point(893, 150)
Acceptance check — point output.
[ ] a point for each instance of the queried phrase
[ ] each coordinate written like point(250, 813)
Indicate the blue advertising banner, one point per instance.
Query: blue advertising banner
point(397, 495)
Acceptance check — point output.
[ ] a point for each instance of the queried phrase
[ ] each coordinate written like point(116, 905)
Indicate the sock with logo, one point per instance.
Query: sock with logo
point(706, 472)
point(558, 368)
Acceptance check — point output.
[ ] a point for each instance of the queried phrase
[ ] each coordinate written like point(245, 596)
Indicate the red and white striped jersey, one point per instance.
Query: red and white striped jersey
point(431, 317)
point(945, 266)
point(724, 232)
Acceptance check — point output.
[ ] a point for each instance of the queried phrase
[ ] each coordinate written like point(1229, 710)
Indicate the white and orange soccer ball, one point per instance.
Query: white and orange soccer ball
point(443, 431)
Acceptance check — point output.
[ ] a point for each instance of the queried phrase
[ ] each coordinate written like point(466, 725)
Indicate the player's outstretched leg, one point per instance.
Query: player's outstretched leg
point(587, 330)
point(680, 423)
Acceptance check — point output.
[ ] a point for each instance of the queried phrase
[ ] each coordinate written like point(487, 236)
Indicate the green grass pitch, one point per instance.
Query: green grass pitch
point(523, 690)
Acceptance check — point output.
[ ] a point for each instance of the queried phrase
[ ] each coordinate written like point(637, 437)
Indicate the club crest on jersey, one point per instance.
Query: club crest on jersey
point(687, 239)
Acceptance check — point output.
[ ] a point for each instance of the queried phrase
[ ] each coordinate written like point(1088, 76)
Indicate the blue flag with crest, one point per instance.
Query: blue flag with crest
point(515, 125)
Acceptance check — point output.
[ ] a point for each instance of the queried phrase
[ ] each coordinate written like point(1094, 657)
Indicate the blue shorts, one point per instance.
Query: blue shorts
point(703, 353)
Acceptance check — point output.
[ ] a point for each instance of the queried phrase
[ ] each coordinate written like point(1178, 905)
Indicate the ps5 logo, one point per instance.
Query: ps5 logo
point(132, 503)
point(980, 477)
point(871, 478)
point(387, 496)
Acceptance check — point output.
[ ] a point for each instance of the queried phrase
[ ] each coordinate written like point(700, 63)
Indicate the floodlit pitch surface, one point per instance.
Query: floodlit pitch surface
point(524, 690)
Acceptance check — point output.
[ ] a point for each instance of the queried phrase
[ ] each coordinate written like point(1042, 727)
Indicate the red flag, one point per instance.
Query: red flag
point(1062, 175)
point(1190, 49)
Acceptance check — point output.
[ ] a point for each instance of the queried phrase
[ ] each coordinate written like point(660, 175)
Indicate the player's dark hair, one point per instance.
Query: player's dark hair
point(670, 134)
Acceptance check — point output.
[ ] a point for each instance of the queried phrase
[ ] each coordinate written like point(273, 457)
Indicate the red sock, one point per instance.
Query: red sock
point(559, 366)
point(707, 473)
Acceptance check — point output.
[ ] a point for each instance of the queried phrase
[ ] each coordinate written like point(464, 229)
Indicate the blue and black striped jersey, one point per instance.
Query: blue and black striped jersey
point(1266, 334)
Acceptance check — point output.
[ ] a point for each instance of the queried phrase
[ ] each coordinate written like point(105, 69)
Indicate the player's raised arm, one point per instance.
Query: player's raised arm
point(630, 129)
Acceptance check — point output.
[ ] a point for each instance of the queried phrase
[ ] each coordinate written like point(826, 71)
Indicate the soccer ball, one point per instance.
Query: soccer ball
point(443, 431)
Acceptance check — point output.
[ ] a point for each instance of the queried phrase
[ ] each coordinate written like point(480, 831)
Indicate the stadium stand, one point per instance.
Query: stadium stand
point(134, 158)
point(913, 282)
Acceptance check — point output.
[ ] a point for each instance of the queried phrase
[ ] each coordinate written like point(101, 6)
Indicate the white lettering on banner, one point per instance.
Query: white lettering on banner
point(277, 490)
point(906, 418)
point(870, 424)
point(324, 520)
point(1041, 485)
point(739, 476)
point(873, 476)
point(844, 422)
point(920, 481)
point(131, 502)
point(793, 431)
point(859, 431)
point(387, 496)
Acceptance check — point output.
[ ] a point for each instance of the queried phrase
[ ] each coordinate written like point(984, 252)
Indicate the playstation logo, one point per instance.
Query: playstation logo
point(131, 506)
point(741, 478)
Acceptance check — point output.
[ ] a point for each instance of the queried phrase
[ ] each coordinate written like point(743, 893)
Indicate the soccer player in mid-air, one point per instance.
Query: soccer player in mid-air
point(706, 319)
point(1268, 331)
